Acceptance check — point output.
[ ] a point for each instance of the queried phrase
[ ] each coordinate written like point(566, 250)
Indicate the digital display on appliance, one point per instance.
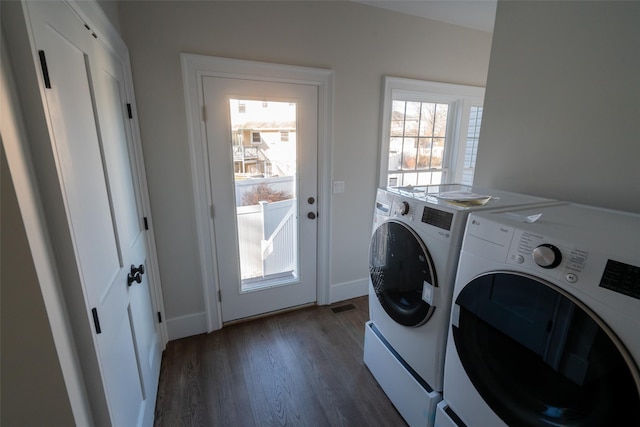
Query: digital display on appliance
point(437, 218)
point(622, 278)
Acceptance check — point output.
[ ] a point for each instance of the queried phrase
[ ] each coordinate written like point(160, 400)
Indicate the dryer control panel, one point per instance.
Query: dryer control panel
point(559, 261)
point(622, 278)
point(516, 246)
point(588, 251)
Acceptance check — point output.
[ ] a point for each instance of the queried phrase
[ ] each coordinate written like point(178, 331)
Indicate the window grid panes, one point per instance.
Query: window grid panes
point(429, 133)
point(417, 142)
point(471, 149)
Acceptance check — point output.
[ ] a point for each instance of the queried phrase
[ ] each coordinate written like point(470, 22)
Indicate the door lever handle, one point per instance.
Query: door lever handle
point(135, 270)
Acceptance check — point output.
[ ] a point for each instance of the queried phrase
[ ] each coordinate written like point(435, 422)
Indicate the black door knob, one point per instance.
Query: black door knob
point(133, 278)
point(311, 215)
point(135, 270)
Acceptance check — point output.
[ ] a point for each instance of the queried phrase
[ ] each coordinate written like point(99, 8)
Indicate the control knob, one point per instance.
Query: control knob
point(547, 256)
point(403, 209)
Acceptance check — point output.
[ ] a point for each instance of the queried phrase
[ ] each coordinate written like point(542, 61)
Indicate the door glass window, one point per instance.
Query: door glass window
point(539, 359)
point(265, 191)
point(401, 273)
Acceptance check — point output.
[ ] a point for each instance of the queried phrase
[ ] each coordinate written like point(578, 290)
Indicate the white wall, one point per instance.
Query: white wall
point(361, 43)
point(32, 387)
point(110, 9)
point(562, 105)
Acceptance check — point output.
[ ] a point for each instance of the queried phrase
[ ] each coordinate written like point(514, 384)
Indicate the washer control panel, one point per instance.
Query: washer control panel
point(433, 220)
point(403, 208)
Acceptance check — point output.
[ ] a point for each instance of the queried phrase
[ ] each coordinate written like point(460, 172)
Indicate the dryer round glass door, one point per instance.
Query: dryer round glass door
point(539, 357)
point(402, 273)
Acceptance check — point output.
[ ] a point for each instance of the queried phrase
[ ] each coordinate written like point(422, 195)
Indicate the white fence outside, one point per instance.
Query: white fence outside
point(267, 237)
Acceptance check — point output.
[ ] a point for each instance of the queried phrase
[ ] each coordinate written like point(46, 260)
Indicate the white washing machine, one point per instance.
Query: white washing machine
point(415, 244)
point(545, 325)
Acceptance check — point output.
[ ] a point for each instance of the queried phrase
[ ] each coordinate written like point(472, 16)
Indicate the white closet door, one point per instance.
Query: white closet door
point(91, 138)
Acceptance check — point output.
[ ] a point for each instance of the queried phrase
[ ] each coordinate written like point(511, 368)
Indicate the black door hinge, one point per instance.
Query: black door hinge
point(96, 321)
point(45, 69)
point(92, 33)
point(159, 317)
point(146, 223)
point(129, 112)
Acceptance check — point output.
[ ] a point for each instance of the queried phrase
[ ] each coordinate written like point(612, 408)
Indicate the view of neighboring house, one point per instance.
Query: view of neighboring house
point(264, 138)
point(264, 157)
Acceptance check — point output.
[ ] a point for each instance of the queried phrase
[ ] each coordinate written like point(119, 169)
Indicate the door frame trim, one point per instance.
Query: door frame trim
point(194, 68)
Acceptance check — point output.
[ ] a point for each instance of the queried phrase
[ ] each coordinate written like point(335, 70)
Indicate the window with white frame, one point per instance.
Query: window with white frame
point(471, 145)
point(429, 132)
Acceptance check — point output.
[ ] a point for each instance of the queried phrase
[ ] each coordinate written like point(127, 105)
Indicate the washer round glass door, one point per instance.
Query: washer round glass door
point(538, 357)
point(402, 273)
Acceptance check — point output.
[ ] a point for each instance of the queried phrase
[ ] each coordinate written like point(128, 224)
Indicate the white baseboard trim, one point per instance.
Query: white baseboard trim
point(186, 326)
point(347, 290)
point(194, 324)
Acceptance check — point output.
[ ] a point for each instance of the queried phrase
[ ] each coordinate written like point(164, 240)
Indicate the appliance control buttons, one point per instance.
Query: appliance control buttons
point(519, 259)
point(547, 256)
point(571, 277)
point(403, 209)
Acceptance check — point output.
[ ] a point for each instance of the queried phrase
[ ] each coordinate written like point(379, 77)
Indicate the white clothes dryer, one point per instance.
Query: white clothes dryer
point(415, 244)
point(545, 325)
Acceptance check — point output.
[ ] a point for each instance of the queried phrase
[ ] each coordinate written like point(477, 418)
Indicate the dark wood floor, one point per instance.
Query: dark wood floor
point(301, 368)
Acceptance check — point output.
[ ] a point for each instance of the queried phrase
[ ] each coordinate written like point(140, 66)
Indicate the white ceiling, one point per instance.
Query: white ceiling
point(476, 14)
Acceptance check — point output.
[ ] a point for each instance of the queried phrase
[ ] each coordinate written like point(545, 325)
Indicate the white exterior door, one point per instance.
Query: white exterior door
point(262, 141)
point(92, 141)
